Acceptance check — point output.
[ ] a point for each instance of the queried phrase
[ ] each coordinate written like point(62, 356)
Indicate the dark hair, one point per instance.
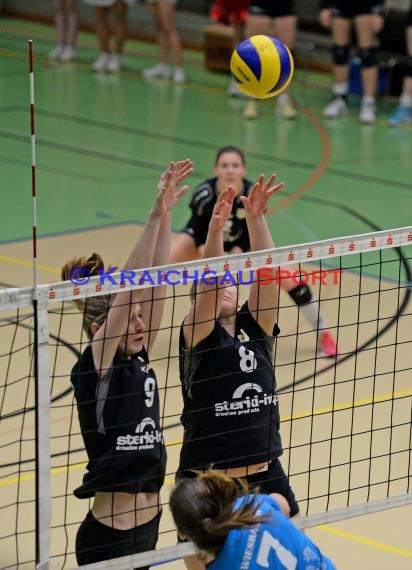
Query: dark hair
point(230, 148)
point(94, 309)
point(202, 509)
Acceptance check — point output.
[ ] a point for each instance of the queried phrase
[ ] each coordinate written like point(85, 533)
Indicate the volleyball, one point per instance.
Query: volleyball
point(262, 66)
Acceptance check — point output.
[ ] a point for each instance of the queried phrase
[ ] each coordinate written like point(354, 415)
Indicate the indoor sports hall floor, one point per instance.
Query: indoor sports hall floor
point(102, 142)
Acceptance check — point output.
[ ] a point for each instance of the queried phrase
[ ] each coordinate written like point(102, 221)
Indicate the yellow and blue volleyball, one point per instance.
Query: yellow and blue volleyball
point(262, 66)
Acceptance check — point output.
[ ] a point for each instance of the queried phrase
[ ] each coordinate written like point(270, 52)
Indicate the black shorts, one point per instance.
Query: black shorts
point(409, 18)
point(272, 8)
point(274, 480)
point(350, 8)
point(96, 542)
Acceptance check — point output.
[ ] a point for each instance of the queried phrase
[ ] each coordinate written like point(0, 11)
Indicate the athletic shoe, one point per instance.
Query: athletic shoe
point(114, 64)
point(56, 51)
point(285, 109)
point(101, 62)
point(367, 113)
point(159, 70)
point(251, 110)
point(179, 76)
point(401, 116)
point(67, 53)
point(336, 108)
point(327, 346)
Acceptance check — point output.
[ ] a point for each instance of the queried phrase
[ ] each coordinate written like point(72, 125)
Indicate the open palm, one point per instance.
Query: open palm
point(168, 190)
point(256, 203)
point(222, 209)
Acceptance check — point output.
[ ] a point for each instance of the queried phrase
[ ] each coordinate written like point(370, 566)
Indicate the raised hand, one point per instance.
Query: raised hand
point(222, 209)
point(169, 191)
point(256, 203)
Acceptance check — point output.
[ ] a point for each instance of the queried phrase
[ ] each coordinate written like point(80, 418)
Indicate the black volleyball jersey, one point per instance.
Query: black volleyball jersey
point(231, 413)
point(119, 422)
point(203, 201)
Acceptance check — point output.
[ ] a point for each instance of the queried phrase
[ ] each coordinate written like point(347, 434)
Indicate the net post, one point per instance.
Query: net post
point(41, 370)
point(42, 412)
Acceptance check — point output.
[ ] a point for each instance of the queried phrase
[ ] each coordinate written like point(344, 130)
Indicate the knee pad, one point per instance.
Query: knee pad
point(340, 54)
point(301, 295)
point(368, 56)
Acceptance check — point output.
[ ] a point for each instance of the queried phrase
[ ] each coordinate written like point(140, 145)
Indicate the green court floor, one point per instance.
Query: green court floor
point(103, 140)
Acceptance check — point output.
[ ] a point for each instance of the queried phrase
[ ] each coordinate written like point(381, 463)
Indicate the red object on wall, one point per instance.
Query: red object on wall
point(230, 12)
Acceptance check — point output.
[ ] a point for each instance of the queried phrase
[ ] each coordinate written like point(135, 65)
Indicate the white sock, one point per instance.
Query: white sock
point(406, 100)
point(368, 100)
point(283, 97)
point(340, 89)
point(311, 311)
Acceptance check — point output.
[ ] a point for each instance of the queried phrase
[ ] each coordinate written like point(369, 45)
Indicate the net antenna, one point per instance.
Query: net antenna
point(41, 371)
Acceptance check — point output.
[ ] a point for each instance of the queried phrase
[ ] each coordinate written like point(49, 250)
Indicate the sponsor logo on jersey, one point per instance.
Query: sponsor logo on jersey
point(250, 545)
point(243, 402)
point(229, 232)
point(146, 436)
point(240, 214)
point(144, 366)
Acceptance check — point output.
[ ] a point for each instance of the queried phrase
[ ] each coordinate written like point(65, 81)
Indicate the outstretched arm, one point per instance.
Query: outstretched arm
point(263, 294)
point(108, 336)
point(152, 310)
point(205, 309)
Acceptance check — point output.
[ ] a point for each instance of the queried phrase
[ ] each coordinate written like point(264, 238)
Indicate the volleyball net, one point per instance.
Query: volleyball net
point(345, 421)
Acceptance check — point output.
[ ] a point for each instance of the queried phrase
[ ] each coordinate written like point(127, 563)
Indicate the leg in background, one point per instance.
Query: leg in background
point(60, 29)
point(303, 298)
point(103, 36)
point(285, 30)
point(171, 38)
point(161, 69)
point(70, 28)
point(369, 66)
point(255, 25)
point(120, 32)
point(341, 28)
point(72, 23)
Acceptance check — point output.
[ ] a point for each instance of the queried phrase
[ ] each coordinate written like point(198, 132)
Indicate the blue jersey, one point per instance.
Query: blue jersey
point(276, 544)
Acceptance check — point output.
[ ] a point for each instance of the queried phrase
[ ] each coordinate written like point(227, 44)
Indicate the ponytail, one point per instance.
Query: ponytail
point(202, 509)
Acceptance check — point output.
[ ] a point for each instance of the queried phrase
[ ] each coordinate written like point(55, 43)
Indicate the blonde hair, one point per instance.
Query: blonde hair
point(202, 509)
point(94, 309)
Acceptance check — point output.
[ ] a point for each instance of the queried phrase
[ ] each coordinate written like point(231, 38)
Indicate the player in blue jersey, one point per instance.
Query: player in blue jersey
point(117, 396)
point(237, 530)
point(230, 170)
